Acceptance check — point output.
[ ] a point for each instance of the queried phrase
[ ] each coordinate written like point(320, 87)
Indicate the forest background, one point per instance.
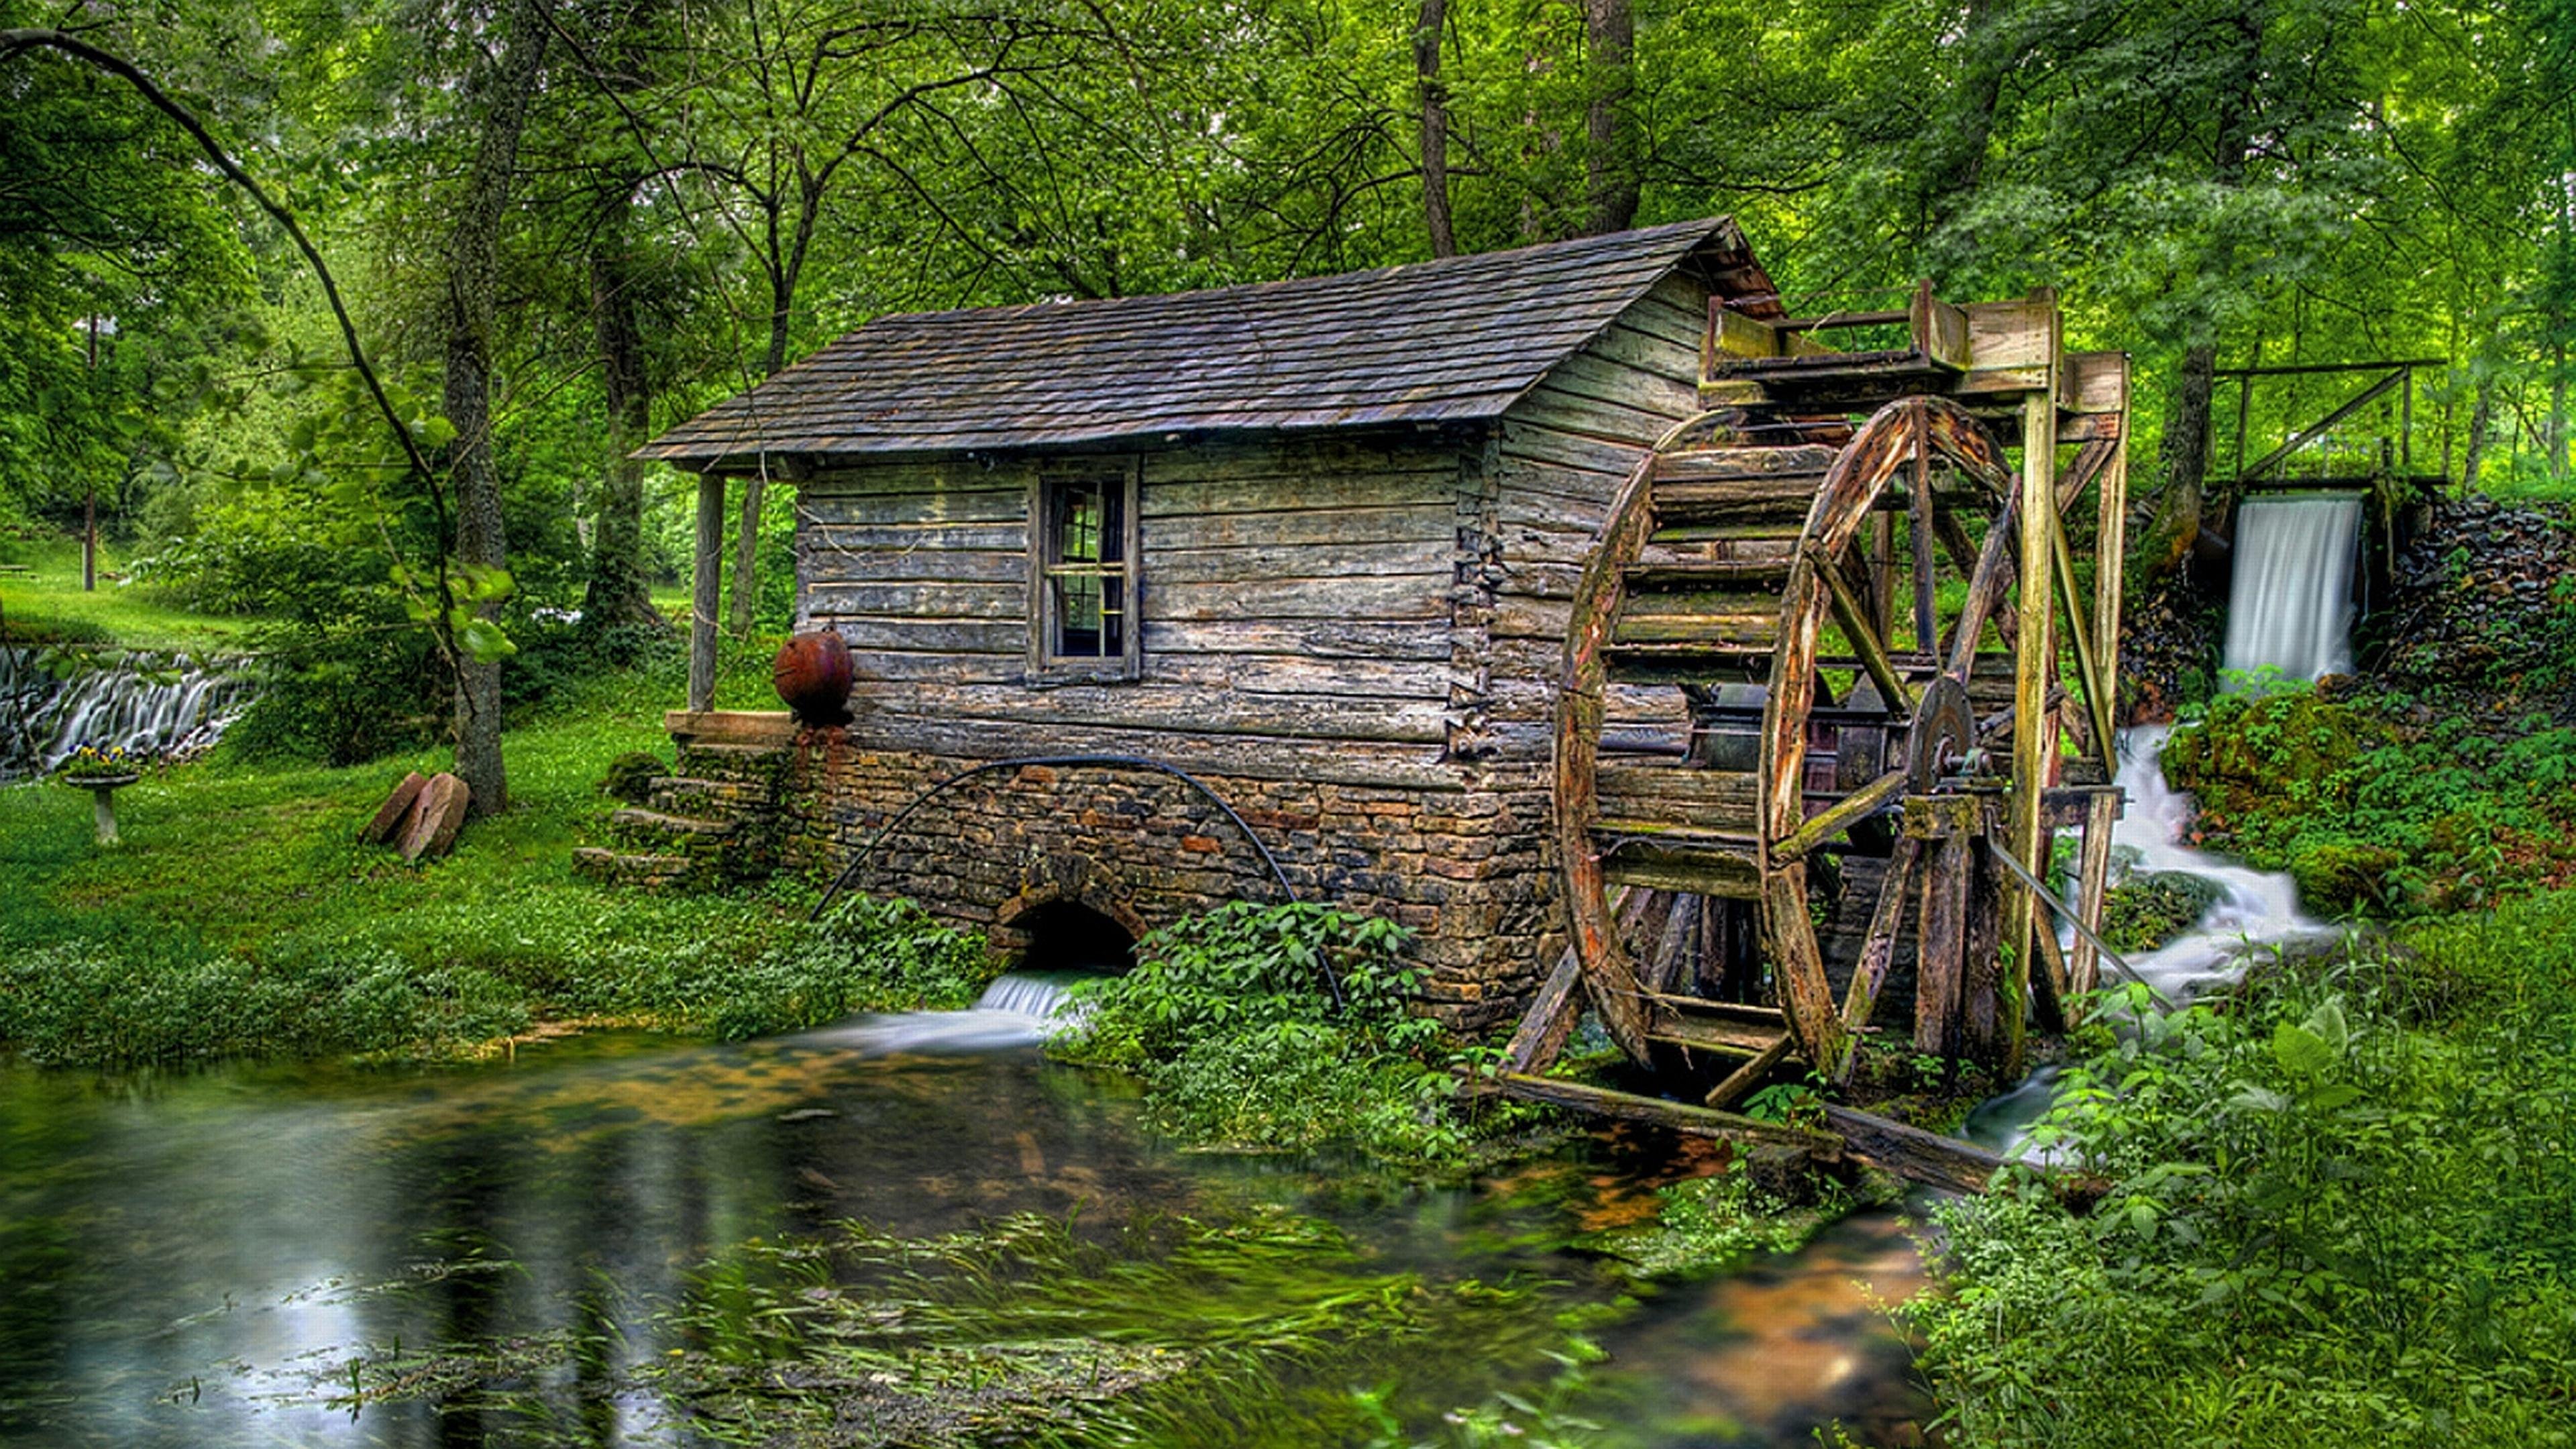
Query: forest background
point(559, 227)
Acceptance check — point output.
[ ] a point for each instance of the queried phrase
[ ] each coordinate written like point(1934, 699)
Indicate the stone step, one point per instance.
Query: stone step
point(637, 871)
point(680, 827)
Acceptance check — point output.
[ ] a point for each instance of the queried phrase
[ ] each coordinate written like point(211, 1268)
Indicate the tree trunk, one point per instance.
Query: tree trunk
point(2185, 458)
point(1435, 127)
point(2481, 434)
point(617, 593)
point(1610, 132)
point(505, 87)
point(746, 544)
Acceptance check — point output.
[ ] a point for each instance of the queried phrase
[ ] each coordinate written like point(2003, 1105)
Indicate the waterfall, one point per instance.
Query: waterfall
point(148, 704)
point(2289, 606)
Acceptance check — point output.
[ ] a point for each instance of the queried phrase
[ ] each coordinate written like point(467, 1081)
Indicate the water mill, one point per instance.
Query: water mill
point(1286, 724)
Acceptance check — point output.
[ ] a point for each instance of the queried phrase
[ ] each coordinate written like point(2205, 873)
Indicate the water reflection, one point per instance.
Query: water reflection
point(195, 1259)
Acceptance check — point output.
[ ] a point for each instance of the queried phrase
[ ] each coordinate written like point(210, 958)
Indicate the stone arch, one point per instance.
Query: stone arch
point(1068, 912)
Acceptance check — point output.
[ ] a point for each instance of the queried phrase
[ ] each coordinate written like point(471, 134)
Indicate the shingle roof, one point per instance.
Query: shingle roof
point(1458, 339)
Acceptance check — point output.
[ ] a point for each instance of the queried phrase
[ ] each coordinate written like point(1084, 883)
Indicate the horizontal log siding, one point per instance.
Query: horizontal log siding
point(1296, 609)
point(1558, 459)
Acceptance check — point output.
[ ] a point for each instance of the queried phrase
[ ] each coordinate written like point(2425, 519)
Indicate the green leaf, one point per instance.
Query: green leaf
point(484, 642)
point(2301, 1052)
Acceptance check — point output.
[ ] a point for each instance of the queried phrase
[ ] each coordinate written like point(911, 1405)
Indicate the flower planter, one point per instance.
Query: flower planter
point(102, 793)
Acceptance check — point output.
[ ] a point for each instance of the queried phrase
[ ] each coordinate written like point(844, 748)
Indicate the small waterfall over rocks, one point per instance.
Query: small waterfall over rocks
point(149, 704)
point(2289, 606)
point(1017, 1010)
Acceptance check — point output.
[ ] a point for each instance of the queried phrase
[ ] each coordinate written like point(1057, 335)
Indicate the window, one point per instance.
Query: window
point(1083, 575)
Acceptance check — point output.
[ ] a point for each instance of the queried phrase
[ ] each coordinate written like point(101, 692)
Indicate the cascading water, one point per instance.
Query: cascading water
point(1016, 1010)
point(152, 705)
point(2254, 909)
point(2289, 606)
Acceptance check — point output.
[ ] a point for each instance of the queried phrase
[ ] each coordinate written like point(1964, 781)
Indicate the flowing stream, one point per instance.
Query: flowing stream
point(194, 1258)
point(147, 704)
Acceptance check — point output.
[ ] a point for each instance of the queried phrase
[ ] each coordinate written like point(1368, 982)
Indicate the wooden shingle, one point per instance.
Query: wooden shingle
point(1450, 341)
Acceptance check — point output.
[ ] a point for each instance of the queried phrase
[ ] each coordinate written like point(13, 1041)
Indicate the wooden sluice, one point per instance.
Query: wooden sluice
point(1854, 568)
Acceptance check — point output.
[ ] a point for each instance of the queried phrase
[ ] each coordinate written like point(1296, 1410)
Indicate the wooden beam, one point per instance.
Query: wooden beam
point(1912, 1153)
point(1746, 1077)
point(2093, 877)
point(2033, 742)
point(1839, 816)
point(706, 579)
point(1679, 1116)
point(1854, 616)
point(1542, 1034)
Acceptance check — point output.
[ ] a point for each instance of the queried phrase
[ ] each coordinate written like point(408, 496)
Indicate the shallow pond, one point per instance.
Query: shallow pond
point(198, 1259)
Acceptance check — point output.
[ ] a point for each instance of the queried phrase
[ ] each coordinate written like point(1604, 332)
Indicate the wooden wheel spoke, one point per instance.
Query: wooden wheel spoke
point(1862, 631)
point(1838, 817)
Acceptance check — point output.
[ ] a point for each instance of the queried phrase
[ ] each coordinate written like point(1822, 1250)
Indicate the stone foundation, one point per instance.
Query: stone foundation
point(1465, 868)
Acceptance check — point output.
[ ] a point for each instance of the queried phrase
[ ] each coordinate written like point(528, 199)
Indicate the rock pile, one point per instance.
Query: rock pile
point(2480, 597)
point(2169, 640)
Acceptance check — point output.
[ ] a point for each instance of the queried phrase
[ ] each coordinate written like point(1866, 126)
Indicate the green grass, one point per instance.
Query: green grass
point(49, 604)
point(241, 916)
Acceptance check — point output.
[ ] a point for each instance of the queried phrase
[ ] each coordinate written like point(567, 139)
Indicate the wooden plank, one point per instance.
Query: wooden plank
point(1172, 566)
point(1589, 375)
point(1617, 422)
point(763, 728)
point(1704, 1034)
point(852, 597)
point(1357, 523)
point(1166, 497)
point(986, 503)
point(1878, 948)
point(1658, 865)
point(1805, 992)
point(1680, 1117)
point(1422, 596)
point(1330, 638)
point(1153, 705)
point(867, 634)
point(2094, 382)
point(2033, 733)
point(1714, 799)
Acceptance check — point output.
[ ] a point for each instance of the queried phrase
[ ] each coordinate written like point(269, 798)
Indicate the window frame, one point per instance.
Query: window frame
point(1044, 664)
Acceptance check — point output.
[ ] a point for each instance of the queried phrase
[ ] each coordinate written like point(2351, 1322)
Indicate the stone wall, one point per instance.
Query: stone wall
point(1464, 866)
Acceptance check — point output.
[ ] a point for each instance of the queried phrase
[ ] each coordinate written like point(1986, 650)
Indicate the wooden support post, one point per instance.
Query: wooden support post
point(2110, 545)
point(706, 583)
point(2033, 744)
point(1941, 949)
point(2093, 878)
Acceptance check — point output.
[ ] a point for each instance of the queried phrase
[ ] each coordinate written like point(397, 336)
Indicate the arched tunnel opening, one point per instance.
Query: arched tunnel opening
point(1070, 936)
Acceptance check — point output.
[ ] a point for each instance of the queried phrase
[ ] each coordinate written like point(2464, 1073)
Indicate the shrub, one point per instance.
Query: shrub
point(1278, 1027)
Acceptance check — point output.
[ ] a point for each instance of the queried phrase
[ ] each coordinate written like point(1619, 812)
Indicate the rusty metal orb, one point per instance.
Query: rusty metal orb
point(812, 673)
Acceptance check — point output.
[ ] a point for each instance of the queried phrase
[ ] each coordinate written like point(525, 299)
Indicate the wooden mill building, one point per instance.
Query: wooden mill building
point(1311, 541)
point(1571, 605)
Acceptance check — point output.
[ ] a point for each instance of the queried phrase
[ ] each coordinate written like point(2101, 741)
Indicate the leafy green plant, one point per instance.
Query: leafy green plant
point(2340, 1211)
point(1279, 1027)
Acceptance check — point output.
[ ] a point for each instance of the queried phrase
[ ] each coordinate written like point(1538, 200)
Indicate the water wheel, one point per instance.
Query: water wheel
point(1831, 612)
